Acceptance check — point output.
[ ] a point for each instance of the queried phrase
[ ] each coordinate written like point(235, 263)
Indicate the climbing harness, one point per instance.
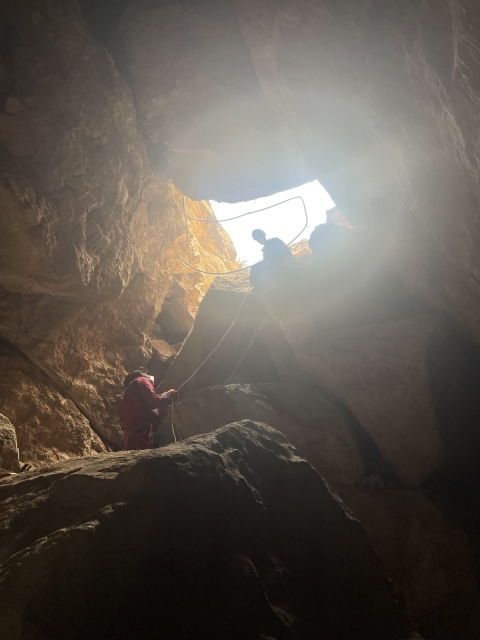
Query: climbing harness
point(242, 215)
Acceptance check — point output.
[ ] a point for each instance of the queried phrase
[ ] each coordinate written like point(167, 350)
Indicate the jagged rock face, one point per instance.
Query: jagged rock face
point(310, 420)
point(232, 535)
point(8, 445)
point(88, 235)
point(72, 159)
point(48, 425)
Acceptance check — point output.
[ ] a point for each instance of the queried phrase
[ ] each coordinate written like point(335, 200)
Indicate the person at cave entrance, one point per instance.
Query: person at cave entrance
point(276, 256)
point(137, 410)
point(274, 250)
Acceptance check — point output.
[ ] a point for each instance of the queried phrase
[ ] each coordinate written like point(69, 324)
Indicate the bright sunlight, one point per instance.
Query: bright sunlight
point(284, 221)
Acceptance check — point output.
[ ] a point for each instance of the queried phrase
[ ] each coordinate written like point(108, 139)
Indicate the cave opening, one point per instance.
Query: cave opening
point(284, 221)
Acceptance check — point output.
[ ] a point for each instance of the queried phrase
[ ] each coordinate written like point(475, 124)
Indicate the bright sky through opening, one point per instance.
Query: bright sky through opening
point(283, 222)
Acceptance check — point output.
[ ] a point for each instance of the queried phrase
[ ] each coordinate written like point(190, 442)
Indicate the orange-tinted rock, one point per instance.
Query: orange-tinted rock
point(47, 425)
point(88, 235)
point(8, 446)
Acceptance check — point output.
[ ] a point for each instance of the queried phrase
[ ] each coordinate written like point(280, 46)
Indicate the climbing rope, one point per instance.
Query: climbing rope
point(242, 215)
point(173, 426)
point(213, 273)
point(213, 351)
point(257, 331)
point(222, 339)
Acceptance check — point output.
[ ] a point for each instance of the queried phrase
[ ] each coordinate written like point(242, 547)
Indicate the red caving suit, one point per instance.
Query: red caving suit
point(136, 412)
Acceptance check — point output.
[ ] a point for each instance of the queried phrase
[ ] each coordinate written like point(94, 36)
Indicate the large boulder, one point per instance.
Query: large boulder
point(230, 535)
point(308, 417)
point(8, 446)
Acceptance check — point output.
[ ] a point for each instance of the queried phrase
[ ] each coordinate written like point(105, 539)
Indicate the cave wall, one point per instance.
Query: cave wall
point(89, 235)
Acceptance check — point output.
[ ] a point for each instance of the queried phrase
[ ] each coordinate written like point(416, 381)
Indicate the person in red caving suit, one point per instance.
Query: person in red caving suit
point(137, 410)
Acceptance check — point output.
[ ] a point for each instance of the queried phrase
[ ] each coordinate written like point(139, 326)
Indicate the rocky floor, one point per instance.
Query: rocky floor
point(229, 535)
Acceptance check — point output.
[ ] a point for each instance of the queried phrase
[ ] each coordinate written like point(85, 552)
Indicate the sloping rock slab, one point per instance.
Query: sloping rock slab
point(231, 535)
point(309, 418)
point(208, 338)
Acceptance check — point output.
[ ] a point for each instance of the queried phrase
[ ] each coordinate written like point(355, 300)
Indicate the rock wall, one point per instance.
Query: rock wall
point(88, 234)
point(103, 104)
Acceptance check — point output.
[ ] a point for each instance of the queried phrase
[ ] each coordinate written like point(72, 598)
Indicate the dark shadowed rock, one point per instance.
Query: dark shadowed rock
point(426, 556)
point(308, 417)
point(231, 535)
point(163, 355)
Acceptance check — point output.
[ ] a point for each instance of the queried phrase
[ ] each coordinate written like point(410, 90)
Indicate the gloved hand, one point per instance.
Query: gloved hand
point(174, 395)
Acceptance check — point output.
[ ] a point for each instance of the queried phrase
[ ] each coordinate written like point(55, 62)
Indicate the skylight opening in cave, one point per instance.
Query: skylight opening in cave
point(284, 221)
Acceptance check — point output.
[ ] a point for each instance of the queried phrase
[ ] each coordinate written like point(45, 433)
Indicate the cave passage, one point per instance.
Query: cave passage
point(284, 221)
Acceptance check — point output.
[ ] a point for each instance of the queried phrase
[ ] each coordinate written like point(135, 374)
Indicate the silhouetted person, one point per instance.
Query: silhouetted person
point(273, 249)
point(276, 257)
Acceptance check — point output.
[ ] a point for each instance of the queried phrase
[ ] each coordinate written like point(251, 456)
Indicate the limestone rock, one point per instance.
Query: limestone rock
point(8, 445)
point(89, 236)
point(162, 357)
point(309, 418)
point(426, 556)
point(234, 535)
point(48, 425)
